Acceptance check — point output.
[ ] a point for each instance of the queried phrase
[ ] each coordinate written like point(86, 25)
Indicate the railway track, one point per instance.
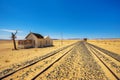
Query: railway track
point(77, 59)
point(107, 58)
point(36, 66)
point(112, 54)
point(79, 64)
point(90, 51)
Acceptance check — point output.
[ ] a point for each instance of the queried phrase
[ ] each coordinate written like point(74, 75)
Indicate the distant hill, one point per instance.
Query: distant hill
point(55, 39)
point(74, 39)
point(106, 38)
point(5, 39)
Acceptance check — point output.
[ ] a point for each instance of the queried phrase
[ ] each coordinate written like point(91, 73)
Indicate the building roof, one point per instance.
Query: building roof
point(46, 37)
point(35, 34)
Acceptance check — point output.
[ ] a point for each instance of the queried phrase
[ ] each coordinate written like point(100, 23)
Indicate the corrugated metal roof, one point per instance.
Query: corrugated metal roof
point(36, 34)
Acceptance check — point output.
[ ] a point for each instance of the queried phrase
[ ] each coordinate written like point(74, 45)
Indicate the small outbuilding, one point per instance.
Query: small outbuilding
point(35, 40)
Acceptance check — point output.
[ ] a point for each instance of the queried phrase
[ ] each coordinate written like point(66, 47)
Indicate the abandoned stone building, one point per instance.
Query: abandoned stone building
point(35, 40)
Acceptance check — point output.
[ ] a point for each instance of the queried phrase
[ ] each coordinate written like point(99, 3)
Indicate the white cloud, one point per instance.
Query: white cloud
point(20, 37)
point(5, 37)
point(9, 30)
point(9, 37)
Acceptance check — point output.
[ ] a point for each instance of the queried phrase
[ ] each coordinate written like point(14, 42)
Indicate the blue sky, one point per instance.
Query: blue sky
point(72, 18)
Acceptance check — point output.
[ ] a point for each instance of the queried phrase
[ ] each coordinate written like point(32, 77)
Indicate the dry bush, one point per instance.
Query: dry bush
point(7, 61)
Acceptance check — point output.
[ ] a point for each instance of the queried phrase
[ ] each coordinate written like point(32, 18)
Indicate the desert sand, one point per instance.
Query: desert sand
point(9, 56)
point(80, 61)
point(112, 45)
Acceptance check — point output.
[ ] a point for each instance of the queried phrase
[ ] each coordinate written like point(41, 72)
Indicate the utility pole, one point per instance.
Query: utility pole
point(61, 38)
point(13, 38)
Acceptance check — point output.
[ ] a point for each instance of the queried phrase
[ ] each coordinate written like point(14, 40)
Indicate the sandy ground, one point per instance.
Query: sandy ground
point(112, 45)
point(110, 62)
point(77, 65)
point(31, 71)
point(9, 56)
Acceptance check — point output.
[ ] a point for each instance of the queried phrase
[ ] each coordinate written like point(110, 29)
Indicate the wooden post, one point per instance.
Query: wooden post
point(61, 39)
point(13, 38)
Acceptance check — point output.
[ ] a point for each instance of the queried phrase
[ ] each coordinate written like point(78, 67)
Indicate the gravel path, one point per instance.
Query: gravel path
point(79, 64)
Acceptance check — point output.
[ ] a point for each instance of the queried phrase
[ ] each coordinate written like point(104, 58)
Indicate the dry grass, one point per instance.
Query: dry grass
point(9, 56)
point(78, 64)
point(111, 45)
